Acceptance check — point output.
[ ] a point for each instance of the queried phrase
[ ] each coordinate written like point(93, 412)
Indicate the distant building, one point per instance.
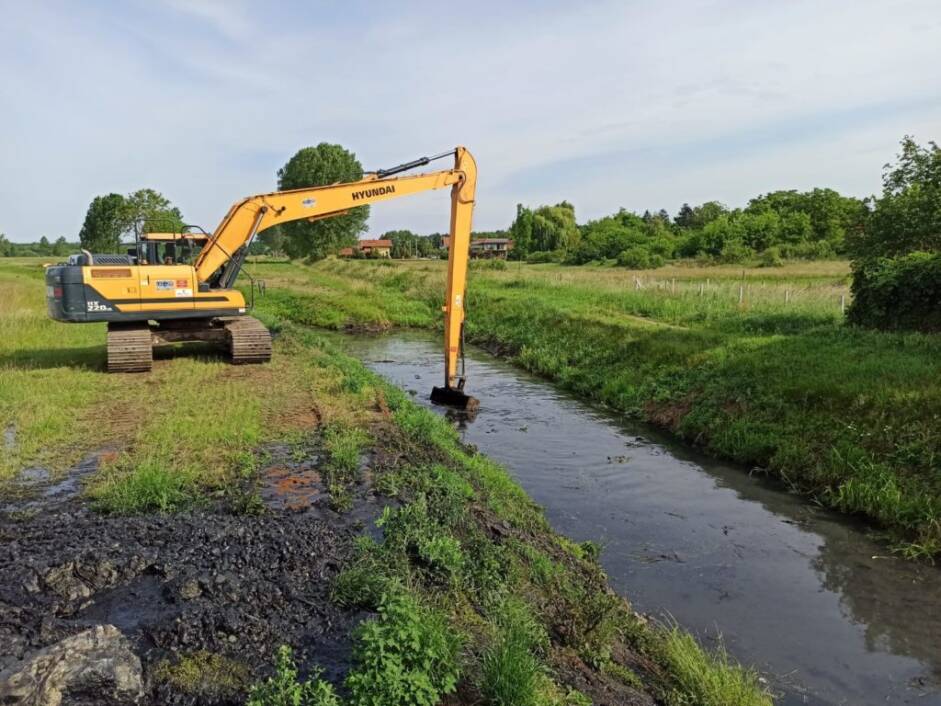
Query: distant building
point(369, 248)
point(491, 248)
point(485, 248)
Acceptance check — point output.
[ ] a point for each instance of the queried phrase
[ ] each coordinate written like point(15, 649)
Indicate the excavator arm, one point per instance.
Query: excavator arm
point(219, 261)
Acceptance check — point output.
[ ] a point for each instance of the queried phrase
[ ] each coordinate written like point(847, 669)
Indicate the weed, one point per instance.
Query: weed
point(407, 655)
point(285, 688)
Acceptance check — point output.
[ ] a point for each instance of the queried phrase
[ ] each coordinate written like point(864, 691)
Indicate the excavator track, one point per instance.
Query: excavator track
point(130, 349)
point(249, 340)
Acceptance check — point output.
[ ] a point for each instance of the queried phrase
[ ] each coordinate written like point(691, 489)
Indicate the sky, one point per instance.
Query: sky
point(641, 105)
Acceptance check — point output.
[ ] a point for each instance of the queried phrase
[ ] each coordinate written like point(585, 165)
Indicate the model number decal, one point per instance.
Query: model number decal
point(164, 284)
point(95, 305)
point(184, 292)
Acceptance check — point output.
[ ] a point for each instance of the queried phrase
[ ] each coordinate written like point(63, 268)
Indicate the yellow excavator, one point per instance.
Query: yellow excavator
point(179, 287)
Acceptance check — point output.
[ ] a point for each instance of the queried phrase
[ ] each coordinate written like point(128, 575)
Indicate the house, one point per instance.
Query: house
point(484, 248)
point(369, 248)
point(491, 248)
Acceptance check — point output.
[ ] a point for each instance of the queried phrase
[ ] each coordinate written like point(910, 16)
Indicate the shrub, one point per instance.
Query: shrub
point(541, 256)
point(734, 252)
point(407, 655)
point(772, 257)
point(635, 258)
point(902, 293)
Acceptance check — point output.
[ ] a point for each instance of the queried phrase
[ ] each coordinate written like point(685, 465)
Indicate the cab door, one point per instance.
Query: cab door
point(167, 288)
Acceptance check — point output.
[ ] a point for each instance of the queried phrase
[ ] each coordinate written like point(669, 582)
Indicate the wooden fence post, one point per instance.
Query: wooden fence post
point(787, 296)
point(741, 293)
point(842, 303)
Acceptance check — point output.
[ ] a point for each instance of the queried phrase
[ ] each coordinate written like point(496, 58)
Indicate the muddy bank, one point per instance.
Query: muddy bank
point(208, 581)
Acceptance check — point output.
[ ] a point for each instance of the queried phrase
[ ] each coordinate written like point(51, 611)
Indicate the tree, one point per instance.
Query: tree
point(684, 218)
point(319, 166)
point(152, 211)
point(907, 217)
point(104, 222)
point(60, 247)
point(6, 247)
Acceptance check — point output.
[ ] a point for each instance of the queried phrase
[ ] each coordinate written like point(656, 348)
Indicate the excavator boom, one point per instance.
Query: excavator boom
point(220, 260)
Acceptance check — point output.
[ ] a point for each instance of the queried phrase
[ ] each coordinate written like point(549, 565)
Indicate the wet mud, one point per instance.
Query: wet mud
point(206, 581)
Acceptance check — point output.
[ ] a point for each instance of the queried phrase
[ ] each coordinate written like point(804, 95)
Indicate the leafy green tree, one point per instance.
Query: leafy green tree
point(104, 223)
point(6, 247)
point(907, 217)
point(521, 231)
point(60, 247)
point(319, 166)
point(684, 217)
point(45, 247)
point(152, 212)
point(404, 243)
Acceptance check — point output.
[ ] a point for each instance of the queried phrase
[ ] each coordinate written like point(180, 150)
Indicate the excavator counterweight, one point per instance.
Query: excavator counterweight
point(179, 287)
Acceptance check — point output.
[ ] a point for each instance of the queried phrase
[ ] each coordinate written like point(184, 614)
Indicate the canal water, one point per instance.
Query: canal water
point(828, 615)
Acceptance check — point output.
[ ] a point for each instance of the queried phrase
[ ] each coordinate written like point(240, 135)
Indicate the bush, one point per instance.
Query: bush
point(542, 256)
point(635, 258)
point(772, 257)
point(734, 252)
point(488, 264)
point(895, 294)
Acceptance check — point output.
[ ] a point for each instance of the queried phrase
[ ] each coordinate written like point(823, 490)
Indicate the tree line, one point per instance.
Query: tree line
point(781, 224)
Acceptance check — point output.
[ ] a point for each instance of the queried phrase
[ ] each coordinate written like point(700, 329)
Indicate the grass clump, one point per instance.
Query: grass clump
point(511, 673)
point(205, 674)
point(708, 678)
point(344, 446)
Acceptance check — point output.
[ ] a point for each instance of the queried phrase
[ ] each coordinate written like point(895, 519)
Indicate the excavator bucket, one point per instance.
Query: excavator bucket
point(453, 397)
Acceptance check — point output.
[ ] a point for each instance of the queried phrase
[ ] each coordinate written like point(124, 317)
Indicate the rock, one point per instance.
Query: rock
point(96, 666)
point(190, 589)
point(63, 581)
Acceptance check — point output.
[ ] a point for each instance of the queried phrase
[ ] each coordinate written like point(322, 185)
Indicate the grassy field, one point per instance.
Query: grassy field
point(754, 365)
point(473, 594)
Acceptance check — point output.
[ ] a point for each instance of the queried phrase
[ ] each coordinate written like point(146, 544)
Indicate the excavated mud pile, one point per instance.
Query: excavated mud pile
point(173, 585)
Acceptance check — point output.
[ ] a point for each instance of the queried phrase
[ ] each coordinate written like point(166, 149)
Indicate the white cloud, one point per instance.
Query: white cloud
point(708, 99)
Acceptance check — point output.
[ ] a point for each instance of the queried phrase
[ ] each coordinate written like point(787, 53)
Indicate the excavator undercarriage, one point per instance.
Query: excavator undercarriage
point(130, 345)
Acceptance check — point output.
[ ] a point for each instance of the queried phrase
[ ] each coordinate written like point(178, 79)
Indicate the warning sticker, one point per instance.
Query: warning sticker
point(164, 284)
point(180, 283)
point(184, 292)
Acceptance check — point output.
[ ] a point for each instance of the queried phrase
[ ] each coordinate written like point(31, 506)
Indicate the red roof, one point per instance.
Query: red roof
point(375, 243)
point(346, 252)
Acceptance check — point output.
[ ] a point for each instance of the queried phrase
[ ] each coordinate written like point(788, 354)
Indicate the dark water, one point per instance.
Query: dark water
point(829, 616)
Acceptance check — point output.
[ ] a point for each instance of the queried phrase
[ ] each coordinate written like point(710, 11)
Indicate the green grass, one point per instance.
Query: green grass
point(706, 678)
point(849, 417)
